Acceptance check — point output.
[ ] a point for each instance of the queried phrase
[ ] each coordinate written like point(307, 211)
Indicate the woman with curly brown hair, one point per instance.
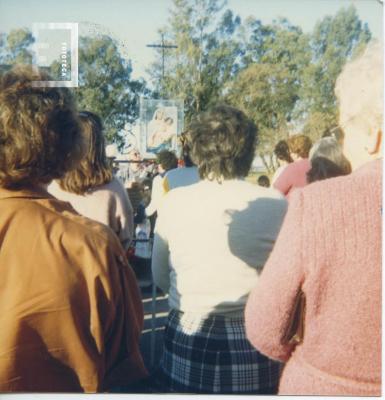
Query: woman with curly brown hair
point(70, 308)
point(229, 227)
point(91, 188)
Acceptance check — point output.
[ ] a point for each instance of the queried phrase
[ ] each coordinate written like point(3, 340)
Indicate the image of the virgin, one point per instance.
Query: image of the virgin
point(156, 122)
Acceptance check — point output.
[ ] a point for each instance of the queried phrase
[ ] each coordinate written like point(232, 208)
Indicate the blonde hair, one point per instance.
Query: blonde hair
point(300, 145)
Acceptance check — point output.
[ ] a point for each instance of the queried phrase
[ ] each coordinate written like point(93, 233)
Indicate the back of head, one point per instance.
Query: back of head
point(94, 169)
point(222, 143)
point(327, 160)
point(359, 90)
point(185, 151)
point(264, 181)
point(300, 145)
point(282, 151)
point(167, 160)
point(40, 136)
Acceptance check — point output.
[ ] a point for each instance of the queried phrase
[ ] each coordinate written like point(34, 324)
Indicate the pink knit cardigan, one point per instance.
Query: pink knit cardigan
point(330, 247)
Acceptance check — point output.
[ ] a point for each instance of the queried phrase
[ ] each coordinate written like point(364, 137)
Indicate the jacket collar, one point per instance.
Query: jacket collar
point(31, 192)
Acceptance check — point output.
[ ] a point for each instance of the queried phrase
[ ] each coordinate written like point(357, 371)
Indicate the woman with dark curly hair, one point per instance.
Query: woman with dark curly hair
point(70, 308)
point(229, 227)
point(91, 188)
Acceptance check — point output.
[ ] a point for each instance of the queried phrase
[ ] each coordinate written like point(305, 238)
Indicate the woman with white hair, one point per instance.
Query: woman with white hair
point(329, 253)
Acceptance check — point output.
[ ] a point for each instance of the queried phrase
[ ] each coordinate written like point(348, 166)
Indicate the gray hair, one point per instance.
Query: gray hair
point(329, 148)
point(359, 88)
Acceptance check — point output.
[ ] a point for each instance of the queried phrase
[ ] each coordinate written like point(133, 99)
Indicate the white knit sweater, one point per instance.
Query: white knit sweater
point(211, 242)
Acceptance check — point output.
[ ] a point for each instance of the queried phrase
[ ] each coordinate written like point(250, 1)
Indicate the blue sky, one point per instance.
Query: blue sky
point(134, 23)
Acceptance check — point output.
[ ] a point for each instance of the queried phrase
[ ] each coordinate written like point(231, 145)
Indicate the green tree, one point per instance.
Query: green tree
point(334, 41)
point(15, 48)
point(261, 92)
point(206, 55)
point(268, 86)
point(105, 85)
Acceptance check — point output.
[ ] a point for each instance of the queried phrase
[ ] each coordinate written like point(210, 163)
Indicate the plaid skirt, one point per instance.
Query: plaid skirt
point(213, 355)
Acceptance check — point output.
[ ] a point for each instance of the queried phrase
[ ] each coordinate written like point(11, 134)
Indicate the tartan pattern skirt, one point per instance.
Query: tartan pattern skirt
point(213, 355)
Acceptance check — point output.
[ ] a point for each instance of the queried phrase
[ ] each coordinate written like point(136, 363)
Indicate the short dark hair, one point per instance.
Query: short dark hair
point(327, 160)
point(282, 151)
point(323, 168)
point(167, 159)
point(222, 143)
point(264, 181)
point(94, 169)
point(185, 150)
point(40, 136)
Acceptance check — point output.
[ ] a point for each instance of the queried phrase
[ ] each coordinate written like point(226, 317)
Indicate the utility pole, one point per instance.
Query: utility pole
point(163, 46)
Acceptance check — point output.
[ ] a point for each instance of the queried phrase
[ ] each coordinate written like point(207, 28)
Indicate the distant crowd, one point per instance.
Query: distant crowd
point(274, 286)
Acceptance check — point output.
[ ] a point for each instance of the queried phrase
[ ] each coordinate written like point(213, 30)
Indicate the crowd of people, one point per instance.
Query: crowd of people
point(272, 288)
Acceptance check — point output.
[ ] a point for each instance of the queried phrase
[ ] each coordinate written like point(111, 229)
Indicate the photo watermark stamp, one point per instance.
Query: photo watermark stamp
point(56, 44)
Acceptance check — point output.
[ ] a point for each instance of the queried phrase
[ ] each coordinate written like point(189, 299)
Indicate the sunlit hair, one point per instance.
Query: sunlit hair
point(94, 169)
point(359, 88)
point(40, 136)
point(282, 151)
point(222, 143)
point(167, 159)
point(327, 160)
point(300, 145)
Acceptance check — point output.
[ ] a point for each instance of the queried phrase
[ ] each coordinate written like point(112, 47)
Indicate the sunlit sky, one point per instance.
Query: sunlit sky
point(135, 22)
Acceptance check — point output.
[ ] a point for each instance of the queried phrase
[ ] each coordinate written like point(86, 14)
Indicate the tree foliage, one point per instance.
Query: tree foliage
point(333, 42)
point(281, 77)
point(206, 56)
point(15, 48)
point(105, 85)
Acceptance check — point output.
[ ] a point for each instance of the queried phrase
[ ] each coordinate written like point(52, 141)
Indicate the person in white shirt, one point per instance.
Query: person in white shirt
point(182, 176)
point(166, 161)
point(211, 242)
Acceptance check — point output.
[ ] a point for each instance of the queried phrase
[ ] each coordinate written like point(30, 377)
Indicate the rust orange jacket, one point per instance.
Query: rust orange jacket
point(70, 308)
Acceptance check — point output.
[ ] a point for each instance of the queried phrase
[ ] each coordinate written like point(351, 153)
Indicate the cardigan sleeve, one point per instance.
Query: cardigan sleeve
point(272, 302)
point(160, 254)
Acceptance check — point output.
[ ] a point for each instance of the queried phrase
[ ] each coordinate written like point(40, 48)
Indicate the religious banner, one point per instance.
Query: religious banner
point(161, 121)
